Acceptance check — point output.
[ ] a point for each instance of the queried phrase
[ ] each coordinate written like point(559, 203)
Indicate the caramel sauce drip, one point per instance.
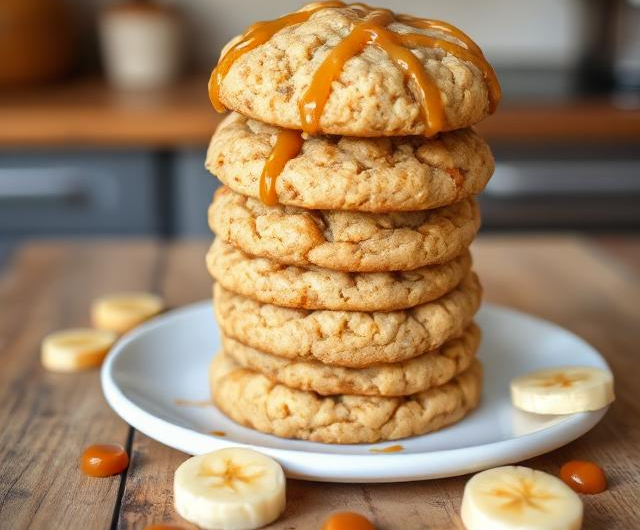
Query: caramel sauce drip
point(413, 40)
point(218, 433)
point(389, 449)
point(254, 36)
point(370, 30)
point(287, 146)
point(313, 100)
point(440, 25)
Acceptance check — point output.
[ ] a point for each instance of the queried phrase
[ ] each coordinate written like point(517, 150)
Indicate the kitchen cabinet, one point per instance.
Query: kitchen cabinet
point(96, 192)
point(193, 188)
point(78, 192)
point(560, 185)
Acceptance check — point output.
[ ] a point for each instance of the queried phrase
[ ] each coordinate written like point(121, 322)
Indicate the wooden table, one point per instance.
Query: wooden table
point(591, 286)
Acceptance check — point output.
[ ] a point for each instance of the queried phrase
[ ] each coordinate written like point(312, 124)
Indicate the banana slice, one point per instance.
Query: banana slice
point(563, 390)
point(519, 498)
point(72, 350)
point(121, 312)
point(231, 489)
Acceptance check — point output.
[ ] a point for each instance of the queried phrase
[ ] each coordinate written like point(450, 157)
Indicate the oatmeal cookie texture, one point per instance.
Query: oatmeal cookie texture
point(421, 373)
point(267, 281)
point(370, 95)
point(256, 401)
point(348, 173)
point(344, 288)
point(344, 241)
point(348, 338)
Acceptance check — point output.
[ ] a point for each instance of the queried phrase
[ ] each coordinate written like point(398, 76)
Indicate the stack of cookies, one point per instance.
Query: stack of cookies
point(343, 281)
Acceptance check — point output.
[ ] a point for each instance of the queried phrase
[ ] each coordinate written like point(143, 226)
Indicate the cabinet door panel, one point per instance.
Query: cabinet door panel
point(78, 193)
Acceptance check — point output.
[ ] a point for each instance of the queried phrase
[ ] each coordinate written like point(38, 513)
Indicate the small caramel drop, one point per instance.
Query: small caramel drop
point(584, 476)
point(104, 460)
point(347, 521)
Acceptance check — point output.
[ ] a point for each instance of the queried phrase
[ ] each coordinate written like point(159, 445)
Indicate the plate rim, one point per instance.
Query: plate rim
point(407, 466)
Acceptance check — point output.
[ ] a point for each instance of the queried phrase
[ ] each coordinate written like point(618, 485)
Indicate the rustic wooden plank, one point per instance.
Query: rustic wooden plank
point(622, 251)
point(148, 493)
point(47, 419)
point(563, 279)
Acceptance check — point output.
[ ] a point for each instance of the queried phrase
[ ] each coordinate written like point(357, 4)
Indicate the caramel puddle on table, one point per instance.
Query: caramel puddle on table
point(389, 449)
point(193, 403)
point(218, 433)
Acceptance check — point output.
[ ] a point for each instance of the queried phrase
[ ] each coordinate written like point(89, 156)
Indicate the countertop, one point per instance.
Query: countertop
point(86, 112)
point(589, 285)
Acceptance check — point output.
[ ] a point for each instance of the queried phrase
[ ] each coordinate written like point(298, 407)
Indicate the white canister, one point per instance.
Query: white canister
point(141, 44)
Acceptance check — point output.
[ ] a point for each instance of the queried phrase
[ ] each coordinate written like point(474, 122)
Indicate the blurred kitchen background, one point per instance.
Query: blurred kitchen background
point(104, 116)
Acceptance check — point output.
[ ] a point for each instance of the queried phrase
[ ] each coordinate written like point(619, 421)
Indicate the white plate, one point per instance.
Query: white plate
point(167, 359)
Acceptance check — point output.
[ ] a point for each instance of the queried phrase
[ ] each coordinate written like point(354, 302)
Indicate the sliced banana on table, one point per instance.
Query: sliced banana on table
point(519, 498)
point(71, 350)
point(230, 489)
point(121, 312)
point(563, 390)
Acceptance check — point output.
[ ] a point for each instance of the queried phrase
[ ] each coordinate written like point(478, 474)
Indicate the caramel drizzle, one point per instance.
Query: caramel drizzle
point(388, 449)
point(440, 25)
point(372, 30)
point(413, 40)
point(254, 36)
point(218, 433)
point(287, 146)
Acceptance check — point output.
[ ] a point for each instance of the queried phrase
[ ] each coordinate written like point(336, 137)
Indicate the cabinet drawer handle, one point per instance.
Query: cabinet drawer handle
point(17, 185)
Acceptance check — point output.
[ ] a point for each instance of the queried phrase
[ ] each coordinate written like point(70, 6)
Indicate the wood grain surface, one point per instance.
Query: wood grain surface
point(590, 286)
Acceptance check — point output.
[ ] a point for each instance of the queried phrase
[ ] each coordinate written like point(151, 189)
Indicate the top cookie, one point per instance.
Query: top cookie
point(353, 70)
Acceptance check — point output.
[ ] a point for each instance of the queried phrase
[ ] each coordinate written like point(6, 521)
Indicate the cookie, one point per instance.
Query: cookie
point(360, 174)
point(421, 373)
point(254, 400)
point(344, 241)
point(269, 282)
point(283, 80)
point(348, 338)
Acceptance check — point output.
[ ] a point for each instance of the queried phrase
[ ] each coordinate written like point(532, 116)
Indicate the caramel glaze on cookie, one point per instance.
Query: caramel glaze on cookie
point(370, 28)
point(363, 27)
point(376, 175)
